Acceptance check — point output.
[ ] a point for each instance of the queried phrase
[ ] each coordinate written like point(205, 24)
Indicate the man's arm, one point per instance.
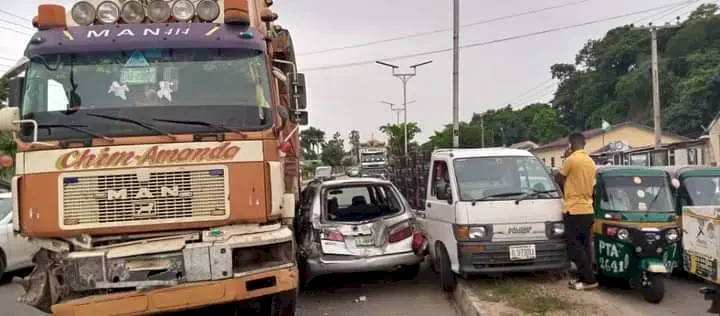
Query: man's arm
point(562, 174)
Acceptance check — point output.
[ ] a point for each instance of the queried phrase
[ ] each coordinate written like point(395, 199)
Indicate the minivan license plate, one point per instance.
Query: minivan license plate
point(522, 252)
point(365, 241)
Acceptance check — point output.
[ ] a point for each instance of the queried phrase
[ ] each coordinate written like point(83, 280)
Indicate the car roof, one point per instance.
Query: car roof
point(481, 152)
point(348, 182)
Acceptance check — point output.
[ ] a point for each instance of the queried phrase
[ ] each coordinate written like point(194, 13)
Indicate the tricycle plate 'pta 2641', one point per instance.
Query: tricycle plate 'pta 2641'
point(613, 256)
point(522, 252)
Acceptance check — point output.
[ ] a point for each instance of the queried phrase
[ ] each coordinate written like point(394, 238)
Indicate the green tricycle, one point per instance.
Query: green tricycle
point(635, 233)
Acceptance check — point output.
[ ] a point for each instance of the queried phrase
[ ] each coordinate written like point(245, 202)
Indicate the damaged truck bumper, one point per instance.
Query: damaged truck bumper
point(156, 275)
point(184, 296)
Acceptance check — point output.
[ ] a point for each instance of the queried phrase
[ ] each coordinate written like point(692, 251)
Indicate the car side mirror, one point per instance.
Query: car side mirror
point(448, 192)
point(441, 191)
point(298, 92)
point(15, 91)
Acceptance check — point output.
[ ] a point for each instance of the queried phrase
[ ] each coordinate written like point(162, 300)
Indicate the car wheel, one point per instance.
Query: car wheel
point(3, 263)
point(447, 276)
point(283, 304)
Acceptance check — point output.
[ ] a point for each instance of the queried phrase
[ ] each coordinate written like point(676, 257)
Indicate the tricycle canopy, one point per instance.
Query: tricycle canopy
point(634, 194)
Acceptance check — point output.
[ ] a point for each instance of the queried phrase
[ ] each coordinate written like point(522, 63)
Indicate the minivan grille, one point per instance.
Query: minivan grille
point(151, 196)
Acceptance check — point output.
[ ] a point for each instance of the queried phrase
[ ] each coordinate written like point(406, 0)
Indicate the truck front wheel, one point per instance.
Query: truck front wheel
point(283, 304)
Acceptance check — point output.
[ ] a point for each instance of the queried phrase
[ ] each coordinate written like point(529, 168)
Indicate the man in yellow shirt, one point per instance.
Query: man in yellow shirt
point(577, 179)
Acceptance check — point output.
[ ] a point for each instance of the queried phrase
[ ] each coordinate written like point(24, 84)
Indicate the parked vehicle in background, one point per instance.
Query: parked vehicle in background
point(356, 225)
point(323, 173)
point(353, 172)
point(492, 210)
point(373, 162)
point(16, 251)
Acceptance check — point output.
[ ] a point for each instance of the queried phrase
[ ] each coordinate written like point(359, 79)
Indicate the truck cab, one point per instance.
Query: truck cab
point(492, 210)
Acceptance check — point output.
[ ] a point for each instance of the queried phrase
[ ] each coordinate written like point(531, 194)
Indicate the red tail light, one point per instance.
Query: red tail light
point(418, 241)
point(333, 235)
point(402, 232)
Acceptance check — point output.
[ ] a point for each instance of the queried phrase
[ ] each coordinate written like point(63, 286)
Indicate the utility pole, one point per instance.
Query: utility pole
point(404, 78)
point(655, 88)
point(482, 131)
point(396, 110)
point(456, 73)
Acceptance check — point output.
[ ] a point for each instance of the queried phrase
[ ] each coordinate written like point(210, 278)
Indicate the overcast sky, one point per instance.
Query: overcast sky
point(346, 98)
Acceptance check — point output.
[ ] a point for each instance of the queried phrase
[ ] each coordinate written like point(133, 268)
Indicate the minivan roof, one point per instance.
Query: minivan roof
point(480, 152)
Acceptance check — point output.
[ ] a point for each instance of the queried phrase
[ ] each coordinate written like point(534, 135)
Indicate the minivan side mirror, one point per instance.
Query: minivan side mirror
point(298, 96)
point(15, 91)
point(443, 192)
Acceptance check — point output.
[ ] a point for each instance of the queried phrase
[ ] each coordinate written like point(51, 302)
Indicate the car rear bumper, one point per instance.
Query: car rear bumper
point(329, 264)
point(494, 257)
point(182, 297)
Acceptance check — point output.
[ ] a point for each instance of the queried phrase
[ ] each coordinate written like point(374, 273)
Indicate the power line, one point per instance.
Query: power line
point(15, 15)
point(490, 42)
point(409, 36)
point(524, 94)
point(15, 24)
point(654, 16)
point(15, 31)
point(674, 10)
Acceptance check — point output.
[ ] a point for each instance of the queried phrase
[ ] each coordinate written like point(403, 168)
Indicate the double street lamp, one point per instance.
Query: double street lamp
point(404, 77)
point(396, 110)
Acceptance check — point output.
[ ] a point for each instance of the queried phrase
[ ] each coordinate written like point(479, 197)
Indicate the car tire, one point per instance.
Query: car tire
point(284, 304)
point(447, 276)
point(3, 263)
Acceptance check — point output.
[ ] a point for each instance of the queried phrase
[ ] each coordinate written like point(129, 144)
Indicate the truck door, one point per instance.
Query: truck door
point(440, 213)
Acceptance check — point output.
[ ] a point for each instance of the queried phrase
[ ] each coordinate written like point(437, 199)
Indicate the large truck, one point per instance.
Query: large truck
point(157, 157)
point(373, 162)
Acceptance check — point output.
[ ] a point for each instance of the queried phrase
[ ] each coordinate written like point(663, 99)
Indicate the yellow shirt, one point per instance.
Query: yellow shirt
point(579, 170)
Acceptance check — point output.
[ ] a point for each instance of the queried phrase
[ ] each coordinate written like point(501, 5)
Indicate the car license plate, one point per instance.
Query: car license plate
point(365, 241)
point(522, 252)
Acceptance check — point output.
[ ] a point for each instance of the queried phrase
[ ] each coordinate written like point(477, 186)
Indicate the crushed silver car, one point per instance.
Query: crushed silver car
point(356, 225)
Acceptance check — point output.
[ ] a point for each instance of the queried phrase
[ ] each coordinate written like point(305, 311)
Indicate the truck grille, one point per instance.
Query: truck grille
point(149, 196)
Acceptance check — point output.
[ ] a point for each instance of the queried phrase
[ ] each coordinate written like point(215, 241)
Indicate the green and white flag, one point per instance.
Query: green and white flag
point(606, 126)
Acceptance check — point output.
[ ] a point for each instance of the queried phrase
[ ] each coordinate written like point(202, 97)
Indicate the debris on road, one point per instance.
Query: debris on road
point(540, 295)
point(361, 299)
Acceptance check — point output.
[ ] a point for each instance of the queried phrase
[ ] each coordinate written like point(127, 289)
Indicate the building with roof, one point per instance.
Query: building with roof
point(526, 145)
point(620, 137)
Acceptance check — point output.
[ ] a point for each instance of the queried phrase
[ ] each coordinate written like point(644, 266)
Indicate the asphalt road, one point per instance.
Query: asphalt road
point(329, 296)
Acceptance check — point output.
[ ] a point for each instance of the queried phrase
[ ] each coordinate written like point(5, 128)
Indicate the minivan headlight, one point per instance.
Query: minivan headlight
point(557, 229)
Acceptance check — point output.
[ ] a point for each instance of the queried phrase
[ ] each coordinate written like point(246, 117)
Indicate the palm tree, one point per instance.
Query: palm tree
point(396, 136)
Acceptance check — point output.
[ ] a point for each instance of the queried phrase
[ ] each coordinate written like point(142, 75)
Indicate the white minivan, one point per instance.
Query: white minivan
point(492, 210)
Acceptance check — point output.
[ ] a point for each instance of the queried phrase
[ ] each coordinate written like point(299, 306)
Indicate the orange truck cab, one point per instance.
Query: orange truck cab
point(157, 156)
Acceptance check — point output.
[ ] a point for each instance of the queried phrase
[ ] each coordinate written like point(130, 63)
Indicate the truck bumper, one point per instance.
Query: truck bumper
point(183, 296)
point(494, 257)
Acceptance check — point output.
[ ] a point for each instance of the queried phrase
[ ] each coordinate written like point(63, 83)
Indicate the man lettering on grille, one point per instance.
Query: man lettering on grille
point(577, 179)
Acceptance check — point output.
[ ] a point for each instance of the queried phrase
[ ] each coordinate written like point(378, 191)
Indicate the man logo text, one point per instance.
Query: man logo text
point(145, 193)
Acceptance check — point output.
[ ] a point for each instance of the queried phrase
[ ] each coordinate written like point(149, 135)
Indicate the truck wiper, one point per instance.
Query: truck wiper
point(77, 128)
point(533, 194)
point(131, 121)
point(200, 123)
point(495, 195)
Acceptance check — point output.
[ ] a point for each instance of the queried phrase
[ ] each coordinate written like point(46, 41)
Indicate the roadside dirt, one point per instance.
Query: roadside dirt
point(543, 294)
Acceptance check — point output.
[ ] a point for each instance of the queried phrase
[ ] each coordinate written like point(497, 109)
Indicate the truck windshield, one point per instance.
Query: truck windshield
point(636, 194)
point(375, 157)
point(702, 191)
point(484, 177)
point(221, 87)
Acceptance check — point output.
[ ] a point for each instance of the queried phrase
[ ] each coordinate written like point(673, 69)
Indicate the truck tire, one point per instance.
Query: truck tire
point(284, 303)
point(447, 276)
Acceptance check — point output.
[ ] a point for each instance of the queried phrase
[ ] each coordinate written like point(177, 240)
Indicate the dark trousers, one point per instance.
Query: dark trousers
point(578, 231)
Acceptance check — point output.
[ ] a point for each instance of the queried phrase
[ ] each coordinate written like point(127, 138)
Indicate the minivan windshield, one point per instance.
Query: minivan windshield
point(702, 191)
point(636, 194)
point(504, 177)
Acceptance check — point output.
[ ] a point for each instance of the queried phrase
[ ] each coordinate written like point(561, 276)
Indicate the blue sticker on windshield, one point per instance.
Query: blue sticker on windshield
point(153, 53)
point(137, 59)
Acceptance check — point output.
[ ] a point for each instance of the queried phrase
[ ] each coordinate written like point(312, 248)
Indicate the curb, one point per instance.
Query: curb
point(468, 303)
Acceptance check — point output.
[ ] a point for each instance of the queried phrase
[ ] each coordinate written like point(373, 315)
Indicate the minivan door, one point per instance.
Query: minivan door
point(440, 207)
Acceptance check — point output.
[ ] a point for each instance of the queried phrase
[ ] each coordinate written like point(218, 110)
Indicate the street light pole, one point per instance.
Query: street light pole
point(404, 78)
point(396, 110)
point(456, 73)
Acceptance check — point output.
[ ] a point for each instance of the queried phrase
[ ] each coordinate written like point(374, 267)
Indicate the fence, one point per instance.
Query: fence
point(409, 174)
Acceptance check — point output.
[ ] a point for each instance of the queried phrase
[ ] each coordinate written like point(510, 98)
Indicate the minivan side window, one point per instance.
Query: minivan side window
point(439, 176)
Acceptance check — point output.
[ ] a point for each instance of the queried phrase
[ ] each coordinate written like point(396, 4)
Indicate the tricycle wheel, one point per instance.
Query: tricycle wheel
point(653, 288)
point(447, 276)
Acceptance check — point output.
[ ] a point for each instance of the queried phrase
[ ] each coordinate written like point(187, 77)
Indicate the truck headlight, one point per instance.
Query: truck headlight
point(477, 233)
point(672, 235)
point(557, 229)
point(132, 12)
point(83, 13)
point(208, 10)
point(464, 232)
point(108, 12)
point(183, 10)
point(159, 11)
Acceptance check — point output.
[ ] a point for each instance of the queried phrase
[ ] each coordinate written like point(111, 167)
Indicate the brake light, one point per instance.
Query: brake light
point(401, 232)
point(611, 231)
point(418, 241)
point(333, 235)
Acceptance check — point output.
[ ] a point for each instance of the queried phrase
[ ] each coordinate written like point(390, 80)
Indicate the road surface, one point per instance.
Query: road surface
point(329, 296)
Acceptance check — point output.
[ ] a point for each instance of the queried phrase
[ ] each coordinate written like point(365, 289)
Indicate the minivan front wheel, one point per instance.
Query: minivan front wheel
point(447, 276)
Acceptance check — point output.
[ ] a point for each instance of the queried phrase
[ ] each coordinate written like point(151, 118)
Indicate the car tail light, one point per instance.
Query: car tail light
point(400, 232)
point(418, 241)
point(333, 235)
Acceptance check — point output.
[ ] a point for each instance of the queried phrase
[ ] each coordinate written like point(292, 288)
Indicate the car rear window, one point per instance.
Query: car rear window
point(359, 202)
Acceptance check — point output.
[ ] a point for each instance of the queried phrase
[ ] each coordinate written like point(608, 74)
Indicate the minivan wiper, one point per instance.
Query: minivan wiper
point(200, 123)
point(533, 194)
point(76, 128)
point(131, 121)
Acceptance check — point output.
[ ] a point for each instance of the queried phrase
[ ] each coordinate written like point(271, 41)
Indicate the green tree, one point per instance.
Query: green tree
point(396, 136)
point(311, 142)
point(333, 151)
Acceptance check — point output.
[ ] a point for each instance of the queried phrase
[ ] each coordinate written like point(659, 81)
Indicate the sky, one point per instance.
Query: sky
point(344, 98)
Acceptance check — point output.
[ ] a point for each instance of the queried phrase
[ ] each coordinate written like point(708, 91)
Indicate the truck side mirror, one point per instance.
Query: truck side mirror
point(9, 117)
point(440, 191)
point(15, 91)
point(448, 192)
point(298, 96)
